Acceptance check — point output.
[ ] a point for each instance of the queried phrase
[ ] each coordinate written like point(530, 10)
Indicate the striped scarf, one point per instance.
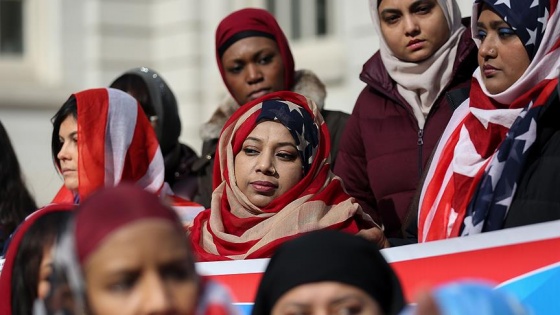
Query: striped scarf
point(234, 228)
point(115, 143)
point(475, 169)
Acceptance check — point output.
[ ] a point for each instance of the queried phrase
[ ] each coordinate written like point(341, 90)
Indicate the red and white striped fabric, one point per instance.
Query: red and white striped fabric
point(469, 144)
point(234, 228)
point(116, 143)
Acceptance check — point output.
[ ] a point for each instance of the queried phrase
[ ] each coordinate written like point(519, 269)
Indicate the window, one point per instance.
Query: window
point(302, 19)
point(11, 27)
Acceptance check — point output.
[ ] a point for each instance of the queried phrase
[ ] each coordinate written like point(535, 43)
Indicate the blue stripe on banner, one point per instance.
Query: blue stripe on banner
point(537, 290)
point(245, 308)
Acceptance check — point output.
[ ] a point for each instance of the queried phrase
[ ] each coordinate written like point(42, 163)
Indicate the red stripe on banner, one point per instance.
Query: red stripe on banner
point(243, 286)
point(496, 264)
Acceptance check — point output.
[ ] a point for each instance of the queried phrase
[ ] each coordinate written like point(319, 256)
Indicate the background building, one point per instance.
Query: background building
point(49, 49)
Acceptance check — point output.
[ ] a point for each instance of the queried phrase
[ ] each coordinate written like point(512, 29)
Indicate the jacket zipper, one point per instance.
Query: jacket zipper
point(420, 146)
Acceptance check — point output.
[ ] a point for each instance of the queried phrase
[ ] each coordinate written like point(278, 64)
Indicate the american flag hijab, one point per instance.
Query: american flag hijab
point(475, 169)
point(115, 143)
point(234, 228)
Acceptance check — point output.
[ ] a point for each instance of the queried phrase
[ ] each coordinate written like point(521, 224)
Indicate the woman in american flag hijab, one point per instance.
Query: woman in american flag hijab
point(497, 163)
point(259, 202)
point(101, 137)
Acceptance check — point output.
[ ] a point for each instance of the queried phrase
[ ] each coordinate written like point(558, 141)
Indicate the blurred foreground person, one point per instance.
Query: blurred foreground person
point(125, 253)
point(28, 265)
point(328, 272)
point(467, 298)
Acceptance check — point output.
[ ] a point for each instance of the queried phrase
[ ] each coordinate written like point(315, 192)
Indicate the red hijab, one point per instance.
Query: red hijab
point(253, 22)
point(13, 248)
point(116, 143)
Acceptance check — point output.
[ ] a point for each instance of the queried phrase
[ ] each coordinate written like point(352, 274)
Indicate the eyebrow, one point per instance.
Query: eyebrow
point(411, 7)
point(279, 144)
point(240, 59)
point(493, 24)
point(346, 298)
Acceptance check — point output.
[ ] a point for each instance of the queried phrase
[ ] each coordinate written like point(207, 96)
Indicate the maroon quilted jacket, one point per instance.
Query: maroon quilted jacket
point(382, 151)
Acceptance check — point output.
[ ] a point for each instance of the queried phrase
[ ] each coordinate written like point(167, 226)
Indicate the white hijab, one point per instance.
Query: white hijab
point(420, 84)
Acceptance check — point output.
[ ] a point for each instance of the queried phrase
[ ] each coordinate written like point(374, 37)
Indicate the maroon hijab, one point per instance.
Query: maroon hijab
point(253, 22)
point(13, 248)
point(112, 208)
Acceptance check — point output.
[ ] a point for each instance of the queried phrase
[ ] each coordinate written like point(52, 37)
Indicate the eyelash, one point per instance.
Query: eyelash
point(265, 60)
point(503, 32)
point(282, 155)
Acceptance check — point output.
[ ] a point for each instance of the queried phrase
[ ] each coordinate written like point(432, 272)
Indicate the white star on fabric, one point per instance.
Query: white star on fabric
point(302, 142)
point(529, 136)
point(534, 4)
point(293, 107)
point(506, 202)
point(544, 19)
point(532, 37)
point(506, 2)
point(494, 171)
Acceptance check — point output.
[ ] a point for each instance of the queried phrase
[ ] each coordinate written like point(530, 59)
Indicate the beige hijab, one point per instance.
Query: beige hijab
point(420, 84)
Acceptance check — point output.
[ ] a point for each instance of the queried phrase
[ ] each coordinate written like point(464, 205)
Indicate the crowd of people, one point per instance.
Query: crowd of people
point(453, 135)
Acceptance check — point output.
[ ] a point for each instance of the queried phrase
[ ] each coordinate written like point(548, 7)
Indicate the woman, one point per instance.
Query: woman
point(254, 59)
point(328, 272)
point(126, 253)
point(159, 104)
point(424, 53)
point(100, 138)
point(497, 163)
point(28, 263)
point(15, 200)
point(273, 182)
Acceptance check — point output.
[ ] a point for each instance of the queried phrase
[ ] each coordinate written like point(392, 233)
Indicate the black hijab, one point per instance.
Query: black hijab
point(329, 256)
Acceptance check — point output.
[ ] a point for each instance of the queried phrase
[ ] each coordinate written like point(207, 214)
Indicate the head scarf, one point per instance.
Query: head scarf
point(116, 143)
point(300, 124)
point(420, 84)
point(471, 297)
point(162, 99)
point(13, 248)
point(234, 228)
point(254, 22)
point(329, 256)
point(478, 162)
point(98, 217)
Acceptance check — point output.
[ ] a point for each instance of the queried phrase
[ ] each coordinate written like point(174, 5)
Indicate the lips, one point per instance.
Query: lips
point(258, 93)
point(488, 70)
point(415, 44)
point(264, 186)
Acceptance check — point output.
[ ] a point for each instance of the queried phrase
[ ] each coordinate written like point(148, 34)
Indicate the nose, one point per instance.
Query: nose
point(266, 165)
point(254, 74)
point(158, 298)
point(63, 154)
point(411, 27)
point(487, 49)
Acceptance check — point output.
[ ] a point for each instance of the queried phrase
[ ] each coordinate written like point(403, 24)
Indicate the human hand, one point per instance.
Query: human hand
point(375, 235)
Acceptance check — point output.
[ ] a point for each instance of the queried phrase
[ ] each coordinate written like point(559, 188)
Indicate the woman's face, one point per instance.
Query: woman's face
point(142, 268)
point(501, 56)
point(45, 271)
point(268, 164)
point(327, 298)
point(413, 29)
point(253, 67)
point(68, 154)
